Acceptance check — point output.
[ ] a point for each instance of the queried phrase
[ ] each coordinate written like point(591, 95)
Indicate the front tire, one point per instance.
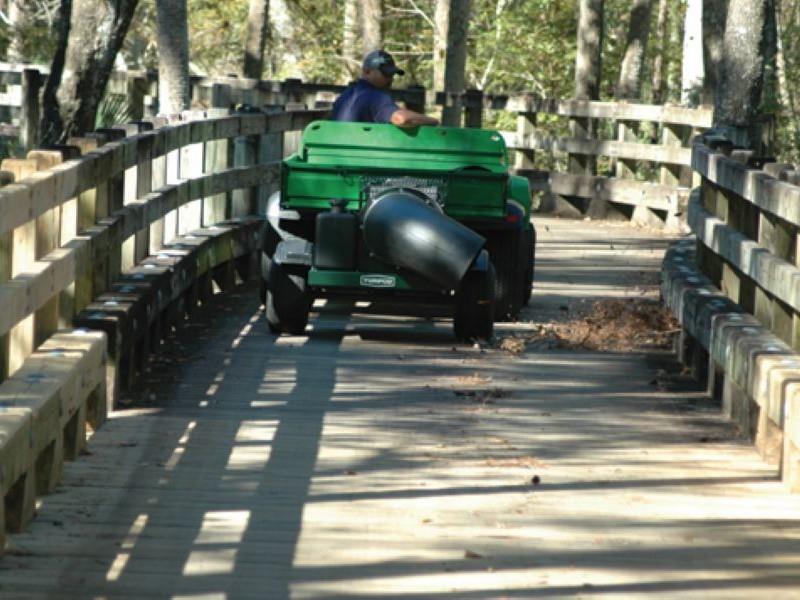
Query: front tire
point(287, 301)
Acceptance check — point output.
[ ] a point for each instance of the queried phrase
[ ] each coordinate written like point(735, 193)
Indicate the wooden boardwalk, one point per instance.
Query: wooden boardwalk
point(375, 459)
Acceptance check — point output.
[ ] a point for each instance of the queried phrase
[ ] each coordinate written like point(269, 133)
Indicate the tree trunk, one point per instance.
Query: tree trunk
point(658, 61)
point(742, 71)
point(787, 91)
point(90, 35)
point(256, 42)
point(371, 17)
point(284, 62)
point(173, 57)
point(351, 51)
point(456, 58)
point(588, 73)
point(630, 76)
point(714, 14)
point(441, 24)
point(672, 67)
point(692, 64)
point(17, 20)
point(588, 63)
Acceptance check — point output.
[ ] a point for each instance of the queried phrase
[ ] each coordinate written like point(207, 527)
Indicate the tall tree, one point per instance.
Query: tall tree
point(441, 25)
point(371, 24)
point(588, 73)
point(256, 40)
point(744, 56)
point(456, 58)
point(672, 62)
point(714, 14)
point(351, 50)
point(17, 16)
point(90, 34)
point(629, 85)
point(692, 64)
point(588, 61)
point(658, 59)
point(284, 53)
point(173, 56)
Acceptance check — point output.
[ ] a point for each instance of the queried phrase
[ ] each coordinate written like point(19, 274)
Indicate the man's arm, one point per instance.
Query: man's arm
point(403, 117)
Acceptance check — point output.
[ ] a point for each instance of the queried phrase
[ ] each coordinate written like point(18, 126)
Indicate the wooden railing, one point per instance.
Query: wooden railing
point(106, 245)
point(737, 293)
point(643, 180)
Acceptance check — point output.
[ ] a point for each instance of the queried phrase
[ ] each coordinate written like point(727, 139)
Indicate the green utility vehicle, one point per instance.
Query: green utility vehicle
point(368, 211)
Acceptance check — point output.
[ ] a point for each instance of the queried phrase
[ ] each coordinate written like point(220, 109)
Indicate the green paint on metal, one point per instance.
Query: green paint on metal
point(520, 190)
point(336, 159)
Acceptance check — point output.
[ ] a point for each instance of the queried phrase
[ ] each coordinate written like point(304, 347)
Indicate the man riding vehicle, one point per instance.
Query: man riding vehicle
point(368, 101)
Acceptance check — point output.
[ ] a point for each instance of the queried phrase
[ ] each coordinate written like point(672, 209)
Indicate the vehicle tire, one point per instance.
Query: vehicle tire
point(263, 277)
point(474, 306)
point(505, 251)
point(530, 264)
point(287, 301)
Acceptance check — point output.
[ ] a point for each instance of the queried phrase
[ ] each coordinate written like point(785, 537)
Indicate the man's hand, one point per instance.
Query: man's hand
point(408, 118)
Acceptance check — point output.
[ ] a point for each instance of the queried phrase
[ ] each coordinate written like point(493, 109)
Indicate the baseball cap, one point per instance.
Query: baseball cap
point(383, 61)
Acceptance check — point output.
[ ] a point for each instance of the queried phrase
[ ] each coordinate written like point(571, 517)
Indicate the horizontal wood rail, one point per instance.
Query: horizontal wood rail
point(120, 234)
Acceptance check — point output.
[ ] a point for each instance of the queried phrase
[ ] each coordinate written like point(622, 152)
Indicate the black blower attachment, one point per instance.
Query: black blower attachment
point(402, 229)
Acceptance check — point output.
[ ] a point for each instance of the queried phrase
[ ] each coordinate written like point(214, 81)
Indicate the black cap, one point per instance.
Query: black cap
point(383, 61)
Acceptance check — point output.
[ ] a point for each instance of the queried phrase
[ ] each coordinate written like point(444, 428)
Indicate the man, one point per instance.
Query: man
point(367, 100)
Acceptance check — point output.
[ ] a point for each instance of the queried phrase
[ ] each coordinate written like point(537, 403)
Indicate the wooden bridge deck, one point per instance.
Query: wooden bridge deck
point(373, 459)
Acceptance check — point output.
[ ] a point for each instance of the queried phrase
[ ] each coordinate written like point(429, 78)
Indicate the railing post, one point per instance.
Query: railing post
point(192, 160)
point(245, 154)
point(526, 128)
point(158, 179)
point(581, 128)
point(217, 158)
point(20, 341)
point(473, 108)
point(626, 132)
point(671, 135)
point(114, 200)
point(30, 110)
point(415, 98)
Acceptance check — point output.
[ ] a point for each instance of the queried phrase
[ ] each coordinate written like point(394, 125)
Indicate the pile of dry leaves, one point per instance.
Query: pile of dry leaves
point(615, 325)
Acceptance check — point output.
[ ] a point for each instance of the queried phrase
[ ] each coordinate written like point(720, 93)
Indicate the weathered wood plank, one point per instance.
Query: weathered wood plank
point(623, 150)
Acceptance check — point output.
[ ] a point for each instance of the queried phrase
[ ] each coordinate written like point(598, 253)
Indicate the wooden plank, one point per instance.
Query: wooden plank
point(637, 193)
point(620, 111)
point(19, 342)
point(590, 147)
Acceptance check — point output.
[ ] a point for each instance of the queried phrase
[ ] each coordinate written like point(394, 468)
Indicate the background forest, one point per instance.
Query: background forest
point(512, 45)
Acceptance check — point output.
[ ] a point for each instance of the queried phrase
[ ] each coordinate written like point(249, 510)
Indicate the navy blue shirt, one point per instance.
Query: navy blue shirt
point(365, 103)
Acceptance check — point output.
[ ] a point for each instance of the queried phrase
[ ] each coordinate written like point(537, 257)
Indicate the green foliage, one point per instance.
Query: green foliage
point(112, 110)
point(513, 45)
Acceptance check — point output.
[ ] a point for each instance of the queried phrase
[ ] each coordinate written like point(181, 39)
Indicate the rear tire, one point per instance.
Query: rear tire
point(505, 251)
point(474, 306)
point(287, 301)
